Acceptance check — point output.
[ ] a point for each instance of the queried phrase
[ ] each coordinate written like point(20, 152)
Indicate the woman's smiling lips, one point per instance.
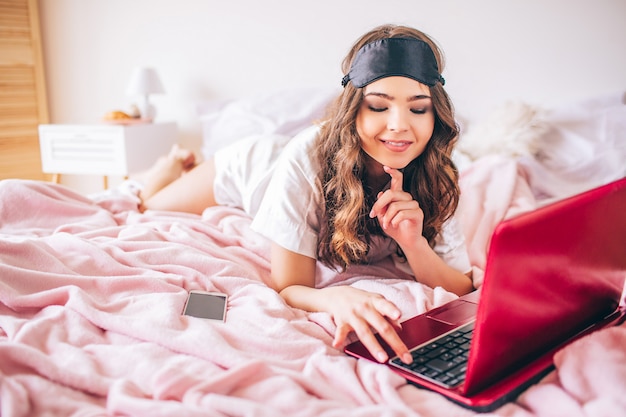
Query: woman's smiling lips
point(396, 145)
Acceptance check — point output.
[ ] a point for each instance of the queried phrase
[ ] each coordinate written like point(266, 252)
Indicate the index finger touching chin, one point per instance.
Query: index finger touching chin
point(396, 178)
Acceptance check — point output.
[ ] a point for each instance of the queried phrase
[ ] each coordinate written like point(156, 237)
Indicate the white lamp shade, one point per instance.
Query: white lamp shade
point(144, 81)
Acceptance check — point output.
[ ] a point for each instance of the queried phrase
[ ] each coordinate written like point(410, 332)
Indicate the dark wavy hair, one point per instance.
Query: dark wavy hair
point(431, 178)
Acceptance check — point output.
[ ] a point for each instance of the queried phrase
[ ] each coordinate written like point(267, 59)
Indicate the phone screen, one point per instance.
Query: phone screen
point(206, 305)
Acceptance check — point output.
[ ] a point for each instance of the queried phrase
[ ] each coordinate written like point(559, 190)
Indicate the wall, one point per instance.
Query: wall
point(543, 52)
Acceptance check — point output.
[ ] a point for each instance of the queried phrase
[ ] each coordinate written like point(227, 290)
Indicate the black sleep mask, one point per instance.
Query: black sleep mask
point(406, 57)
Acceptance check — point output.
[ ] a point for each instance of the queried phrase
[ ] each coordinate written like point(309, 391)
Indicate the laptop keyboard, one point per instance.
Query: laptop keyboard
point(442, 360)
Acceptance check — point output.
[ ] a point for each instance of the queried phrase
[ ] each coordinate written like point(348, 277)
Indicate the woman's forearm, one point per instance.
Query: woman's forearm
point(304, 298)
point(431, 270)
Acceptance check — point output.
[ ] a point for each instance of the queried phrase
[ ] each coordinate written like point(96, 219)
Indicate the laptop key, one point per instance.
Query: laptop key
point(431, 373)
point(436, 352)
point(441, 366)
point(458, 371)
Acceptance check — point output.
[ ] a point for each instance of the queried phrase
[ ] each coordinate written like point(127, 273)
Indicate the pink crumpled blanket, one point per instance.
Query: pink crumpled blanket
point(91, 293)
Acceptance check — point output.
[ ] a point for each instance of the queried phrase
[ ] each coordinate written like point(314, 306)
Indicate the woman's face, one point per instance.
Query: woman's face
point(395, 121)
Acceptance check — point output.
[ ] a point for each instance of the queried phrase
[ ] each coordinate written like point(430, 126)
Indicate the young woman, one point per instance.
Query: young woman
point(374, 179)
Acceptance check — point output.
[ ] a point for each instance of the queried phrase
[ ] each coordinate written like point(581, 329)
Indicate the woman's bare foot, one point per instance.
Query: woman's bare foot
point(166, 170)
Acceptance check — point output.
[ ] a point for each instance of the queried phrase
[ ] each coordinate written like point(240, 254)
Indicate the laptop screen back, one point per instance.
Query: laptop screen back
point(559, 269)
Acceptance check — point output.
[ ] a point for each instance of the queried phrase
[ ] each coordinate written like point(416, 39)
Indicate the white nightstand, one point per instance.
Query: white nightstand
point(104, 149)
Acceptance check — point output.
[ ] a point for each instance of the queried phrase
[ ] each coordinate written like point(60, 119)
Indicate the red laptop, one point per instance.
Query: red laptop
point(552, 276)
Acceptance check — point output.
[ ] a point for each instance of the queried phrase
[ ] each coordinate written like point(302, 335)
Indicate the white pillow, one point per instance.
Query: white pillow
point(583, 148)
point(285, 112)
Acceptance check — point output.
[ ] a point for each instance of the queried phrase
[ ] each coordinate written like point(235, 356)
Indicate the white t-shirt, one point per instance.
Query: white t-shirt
point(274, 179)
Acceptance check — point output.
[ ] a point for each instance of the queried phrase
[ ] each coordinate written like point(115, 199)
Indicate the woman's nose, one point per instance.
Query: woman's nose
point(397, 121)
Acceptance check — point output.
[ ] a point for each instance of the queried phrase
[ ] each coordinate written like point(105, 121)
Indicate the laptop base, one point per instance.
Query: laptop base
point(509, 388)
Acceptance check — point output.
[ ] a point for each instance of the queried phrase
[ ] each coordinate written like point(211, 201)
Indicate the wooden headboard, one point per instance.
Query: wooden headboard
point(23, 102)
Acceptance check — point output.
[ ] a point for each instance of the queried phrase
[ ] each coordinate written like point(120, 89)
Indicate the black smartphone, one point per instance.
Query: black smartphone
point(206, 305)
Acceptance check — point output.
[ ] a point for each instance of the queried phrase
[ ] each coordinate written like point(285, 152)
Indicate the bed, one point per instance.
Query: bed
point(91, 290)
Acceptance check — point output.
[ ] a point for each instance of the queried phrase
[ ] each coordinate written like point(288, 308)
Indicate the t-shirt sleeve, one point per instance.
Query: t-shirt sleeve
point(450, 246)
point(289, 214)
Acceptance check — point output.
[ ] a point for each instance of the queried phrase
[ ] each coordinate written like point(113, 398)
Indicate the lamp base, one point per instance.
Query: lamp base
point(147, 111)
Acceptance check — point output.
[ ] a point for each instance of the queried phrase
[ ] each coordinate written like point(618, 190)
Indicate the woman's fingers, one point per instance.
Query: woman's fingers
point(341, 334)
point(390, 336)
point(393, 194)
point(376, 319)
point(367, 337)
point(385, 322)
point(396, 178)
point(387, 198)
point(394, 206)
point(399, 211)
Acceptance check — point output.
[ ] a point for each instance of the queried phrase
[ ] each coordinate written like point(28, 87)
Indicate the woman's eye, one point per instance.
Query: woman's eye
point(377, 109)
point(419, 111)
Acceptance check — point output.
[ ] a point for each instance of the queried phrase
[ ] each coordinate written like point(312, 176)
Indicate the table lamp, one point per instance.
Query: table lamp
point(145, 81)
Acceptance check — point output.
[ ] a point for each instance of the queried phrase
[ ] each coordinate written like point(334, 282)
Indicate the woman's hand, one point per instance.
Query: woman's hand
point(398, 213)
point(362, 312)
point(402, 219)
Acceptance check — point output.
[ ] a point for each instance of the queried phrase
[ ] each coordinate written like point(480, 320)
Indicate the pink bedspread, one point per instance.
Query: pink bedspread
point(91, 294)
